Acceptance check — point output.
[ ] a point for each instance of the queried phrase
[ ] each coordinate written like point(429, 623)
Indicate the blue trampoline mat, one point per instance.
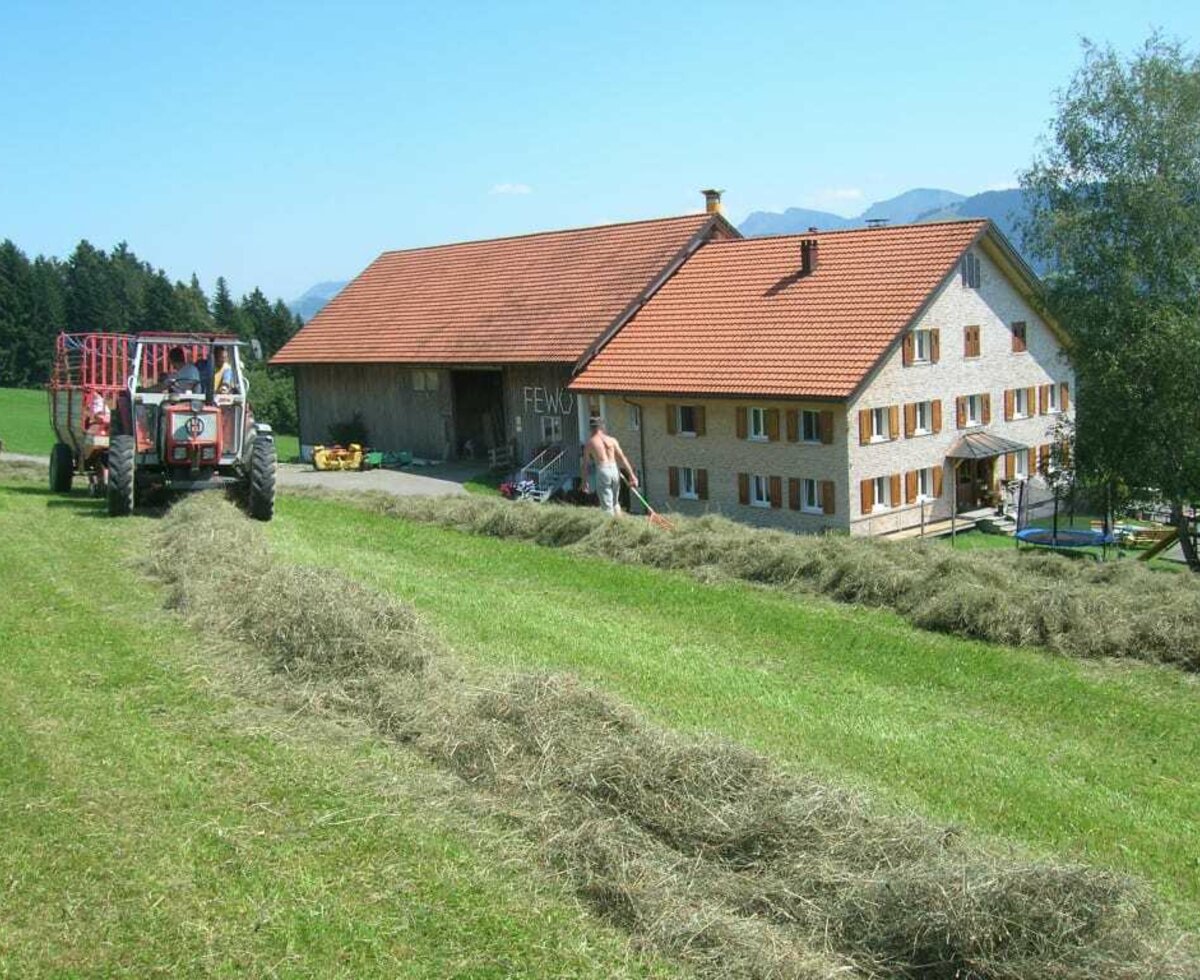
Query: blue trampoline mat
point(1066, 537)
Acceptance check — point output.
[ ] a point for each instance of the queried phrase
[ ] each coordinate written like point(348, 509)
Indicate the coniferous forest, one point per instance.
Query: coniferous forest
point(115, 291)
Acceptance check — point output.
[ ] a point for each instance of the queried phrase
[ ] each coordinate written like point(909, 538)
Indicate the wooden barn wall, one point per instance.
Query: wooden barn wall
point(398, 416)
point(533, 392)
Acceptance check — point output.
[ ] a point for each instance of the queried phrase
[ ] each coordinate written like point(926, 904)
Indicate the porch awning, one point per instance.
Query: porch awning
point(983, 445)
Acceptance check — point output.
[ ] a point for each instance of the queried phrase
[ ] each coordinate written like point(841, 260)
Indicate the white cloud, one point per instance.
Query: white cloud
point(843, 194)
point(511, 189)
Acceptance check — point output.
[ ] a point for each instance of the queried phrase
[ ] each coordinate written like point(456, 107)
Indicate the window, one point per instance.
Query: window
point(879, 424)
point(1021, 403)
point(974, 409)
point(923, 419)
point(687, 420)
point(970, 271)
point(552, 429)
point(688, 487)
point(1020, 465)
point(925, 484)
point(760, 491)
point(425, 380)
point(1019, 344)
point(635, 417)
point(810, 426)
point(922, 346)
point(810, 497)
point(758, 424)
point(883, 493)
point(1052, 398)
point(971, 347)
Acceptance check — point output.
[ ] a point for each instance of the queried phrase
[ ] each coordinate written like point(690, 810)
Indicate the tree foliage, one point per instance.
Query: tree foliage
point(1115, 197)
point(117, 292)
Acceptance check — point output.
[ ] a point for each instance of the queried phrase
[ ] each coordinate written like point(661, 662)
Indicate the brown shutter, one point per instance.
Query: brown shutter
point(699, 414)
point(961, 411)
point(864, 426)
point(1010, 465)
point(1042, 399)
point(893, 421)
point(793, 493)
point(1009, 399)
point(772, 424)
point(910, 486)
point(828, 501)
point(935, 345)
point(867, 490)
point(936, 412)
point(702, 484)
point(1030, 400)
point(910, 419)
point(826, 425)
point(1031, 463)
point(906, 350)
point(987, 408)
point(1064, 398)
point(966, 341)
point(673, 481)
point(776, 486)
point(937, 481)
point(743, 488)
point(895, 489)
point(671, 416)
point(793, 425)
point(742, 424)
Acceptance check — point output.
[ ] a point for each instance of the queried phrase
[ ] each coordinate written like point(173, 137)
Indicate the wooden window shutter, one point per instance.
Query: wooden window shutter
point(1064, 398)
point(1010, 465)
point(867, 491)
point(702, 484)
point(893, 421)
point(986, 400)
point(864, 426)
point(936, 413)
point(742, 424)
point(776, 485)
point(701, 420)
point(825, 420)
point(1009, 400)
point(1031, 463)
point(673, 481)
point(672, 416)
point(793, 425)
point(937, 481)
point(967, 341)
point(743, 488)
point(906, 349)
point(772, 424)
point(910, 419)
point(935, 345)
point(961, 410)
point(895, 489)
point(793, 493)
point(1042, 399)
point(1030, 400)
point(828, 501)
point(910, 486)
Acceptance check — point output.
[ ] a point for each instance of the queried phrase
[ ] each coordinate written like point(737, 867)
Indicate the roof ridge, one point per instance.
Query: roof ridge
point(540, 234)
point(851, 231)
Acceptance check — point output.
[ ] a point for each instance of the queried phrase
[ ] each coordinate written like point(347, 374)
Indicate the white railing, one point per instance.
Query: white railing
point(546, 470)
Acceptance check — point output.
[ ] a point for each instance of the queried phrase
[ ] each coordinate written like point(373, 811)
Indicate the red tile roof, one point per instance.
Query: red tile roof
point(541, 297)
point(737, 319)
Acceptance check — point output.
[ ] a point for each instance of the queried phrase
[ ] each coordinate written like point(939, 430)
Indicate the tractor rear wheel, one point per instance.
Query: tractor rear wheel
point(62, 468)
point(121, 453)
point(260, 494)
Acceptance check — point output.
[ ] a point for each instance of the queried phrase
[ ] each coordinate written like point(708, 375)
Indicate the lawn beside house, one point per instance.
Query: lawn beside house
point(25, 421)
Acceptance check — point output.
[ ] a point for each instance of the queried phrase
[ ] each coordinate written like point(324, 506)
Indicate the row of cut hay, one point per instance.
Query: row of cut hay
point(701, 849)
point(1083, 609)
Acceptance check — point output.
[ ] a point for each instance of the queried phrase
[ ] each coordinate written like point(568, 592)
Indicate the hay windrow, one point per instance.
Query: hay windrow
point(1077, 608)
point(698, 847)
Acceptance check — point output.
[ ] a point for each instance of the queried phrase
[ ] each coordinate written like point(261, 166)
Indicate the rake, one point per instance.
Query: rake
point(655, 517)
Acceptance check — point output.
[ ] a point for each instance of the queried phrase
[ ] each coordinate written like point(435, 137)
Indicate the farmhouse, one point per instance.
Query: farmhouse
point(466, 350)
point(866, 380)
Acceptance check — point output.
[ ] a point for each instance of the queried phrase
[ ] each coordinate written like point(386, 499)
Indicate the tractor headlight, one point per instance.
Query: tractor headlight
point(179, 454)
point(208, 453)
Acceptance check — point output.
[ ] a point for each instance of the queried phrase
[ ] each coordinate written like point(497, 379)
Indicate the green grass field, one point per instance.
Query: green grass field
point(169, 816)
point(25, 425)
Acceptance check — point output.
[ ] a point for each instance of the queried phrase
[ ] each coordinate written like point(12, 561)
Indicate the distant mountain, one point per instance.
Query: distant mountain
point(759, 224)
point(910, 205)
point(1008, 209)
point(312, 302)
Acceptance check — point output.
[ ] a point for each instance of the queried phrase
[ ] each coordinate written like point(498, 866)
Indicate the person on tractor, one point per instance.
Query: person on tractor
point(182, 377)
point(222, 372)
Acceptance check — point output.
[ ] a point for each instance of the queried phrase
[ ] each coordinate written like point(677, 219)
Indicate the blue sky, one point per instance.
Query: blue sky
point(285, 144)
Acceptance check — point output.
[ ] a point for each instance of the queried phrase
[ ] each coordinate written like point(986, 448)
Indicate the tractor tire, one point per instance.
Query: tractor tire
point(260, 492)
point(62, 468)
point(121, 457)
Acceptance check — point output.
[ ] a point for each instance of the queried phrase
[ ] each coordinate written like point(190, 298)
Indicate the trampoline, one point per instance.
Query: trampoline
point(1065, 537)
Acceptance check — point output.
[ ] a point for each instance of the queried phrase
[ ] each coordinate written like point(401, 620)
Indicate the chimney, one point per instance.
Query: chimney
point(712, 201)
point(808, 256)
point(877, 222)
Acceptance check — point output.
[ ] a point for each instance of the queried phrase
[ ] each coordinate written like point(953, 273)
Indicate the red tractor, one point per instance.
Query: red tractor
point(153, 414)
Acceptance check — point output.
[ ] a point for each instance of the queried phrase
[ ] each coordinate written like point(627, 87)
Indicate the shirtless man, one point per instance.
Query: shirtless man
point(605, 452)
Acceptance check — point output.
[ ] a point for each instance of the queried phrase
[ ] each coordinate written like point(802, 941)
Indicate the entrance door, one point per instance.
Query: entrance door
point(976, 483)
point(478, 412)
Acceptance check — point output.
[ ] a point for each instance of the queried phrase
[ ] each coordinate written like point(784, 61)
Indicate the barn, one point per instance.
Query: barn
point(466, 350)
